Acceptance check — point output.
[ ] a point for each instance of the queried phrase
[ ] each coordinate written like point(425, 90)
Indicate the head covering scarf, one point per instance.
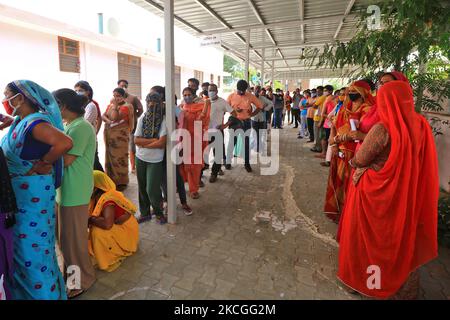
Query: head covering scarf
point(42, 98)
point(104, 183)
point(390, 218)
point(153, 117)
point(13, 142)
point(348, 111)
point(372, 116)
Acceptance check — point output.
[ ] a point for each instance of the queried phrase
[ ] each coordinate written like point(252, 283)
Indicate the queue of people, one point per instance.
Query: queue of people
point(374, 144)
point(382, 186)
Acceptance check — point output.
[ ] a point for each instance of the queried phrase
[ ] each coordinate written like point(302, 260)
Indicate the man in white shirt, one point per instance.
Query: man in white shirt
point(218, 109)
point(259, 122)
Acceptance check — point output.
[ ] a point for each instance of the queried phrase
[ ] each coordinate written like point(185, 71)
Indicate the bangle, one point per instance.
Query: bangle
point(334, 145)
point(45, 161)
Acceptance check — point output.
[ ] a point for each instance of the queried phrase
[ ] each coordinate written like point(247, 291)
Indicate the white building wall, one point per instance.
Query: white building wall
point(31, 54)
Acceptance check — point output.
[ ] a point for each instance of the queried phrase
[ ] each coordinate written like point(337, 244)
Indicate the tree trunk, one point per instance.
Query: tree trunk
point(421, 88)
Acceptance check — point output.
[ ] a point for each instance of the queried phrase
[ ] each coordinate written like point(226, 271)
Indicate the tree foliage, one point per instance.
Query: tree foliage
point(414, 38)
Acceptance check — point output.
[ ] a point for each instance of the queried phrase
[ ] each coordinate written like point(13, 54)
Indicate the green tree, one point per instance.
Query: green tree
point(237, 71)
point(414, 38)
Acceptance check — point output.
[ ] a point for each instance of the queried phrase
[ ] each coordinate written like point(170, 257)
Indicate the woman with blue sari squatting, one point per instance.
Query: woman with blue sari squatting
point(34, 147)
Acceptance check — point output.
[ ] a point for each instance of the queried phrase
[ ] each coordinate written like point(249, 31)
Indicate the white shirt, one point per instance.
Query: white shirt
point(267, 105)
point(146, 154)
point(218, 109)
point(91, 114)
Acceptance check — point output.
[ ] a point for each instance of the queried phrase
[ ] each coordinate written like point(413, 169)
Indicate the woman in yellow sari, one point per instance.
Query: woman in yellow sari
point(114, 231)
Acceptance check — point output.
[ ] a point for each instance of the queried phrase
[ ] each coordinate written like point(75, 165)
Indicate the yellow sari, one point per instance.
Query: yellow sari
point(110, 247)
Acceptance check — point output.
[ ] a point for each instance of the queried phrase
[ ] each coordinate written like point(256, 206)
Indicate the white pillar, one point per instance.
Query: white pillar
point(273, 74)
point(170, 103)
point(247, 57)
point(262, 66)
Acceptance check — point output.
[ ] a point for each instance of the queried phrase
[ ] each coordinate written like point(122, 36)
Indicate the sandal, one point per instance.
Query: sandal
point(72, 294)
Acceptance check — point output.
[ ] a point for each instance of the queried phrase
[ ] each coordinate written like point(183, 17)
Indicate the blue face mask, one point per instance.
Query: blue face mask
point(188, 99)
point(212, 95)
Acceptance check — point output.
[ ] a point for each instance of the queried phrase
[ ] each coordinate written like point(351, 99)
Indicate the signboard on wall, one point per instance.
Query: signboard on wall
point(210, 41)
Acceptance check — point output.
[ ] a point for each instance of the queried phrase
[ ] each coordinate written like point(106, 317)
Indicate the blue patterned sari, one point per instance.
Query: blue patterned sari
point(36, 273)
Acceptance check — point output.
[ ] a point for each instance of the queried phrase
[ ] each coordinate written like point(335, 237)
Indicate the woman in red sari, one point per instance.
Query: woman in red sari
point(389, 225)
point(371, 117)
point(357, 103)
point(192, 115)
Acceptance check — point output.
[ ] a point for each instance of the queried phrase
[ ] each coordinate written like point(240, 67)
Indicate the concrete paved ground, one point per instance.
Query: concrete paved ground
point(251, 237)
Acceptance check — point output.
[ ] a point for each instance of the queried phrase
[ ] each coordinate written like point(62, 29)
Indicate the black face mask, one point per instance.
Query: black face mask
point(205, 93)
point(354, 96)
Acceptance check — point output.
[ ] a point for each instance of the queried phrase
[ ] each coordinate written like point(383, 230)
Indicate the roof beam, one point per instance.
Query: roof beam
point(213, 13)
point(182, 21)
point(290, 23)
point(346, 13)
point(302, 17)
point(261, 20)
point(296, 44)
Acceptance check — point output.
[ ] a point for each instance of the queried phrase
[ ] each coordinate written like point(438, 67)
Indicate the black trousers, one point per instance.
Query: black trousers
point(258, 126)
point(217, 165)
point(310, 122)
point(296, 117)
point(97, 164)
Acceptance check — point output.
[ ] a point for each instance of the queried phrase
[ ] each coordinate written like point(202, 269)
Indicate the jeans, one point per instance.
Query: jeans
point(149, 177)
point(278, 114)
point(303, 126)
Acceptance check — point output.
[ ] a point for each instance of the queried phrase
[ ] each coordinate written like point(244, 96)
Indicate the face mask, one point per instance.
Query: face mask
point(81, 92)
point(354, 96)
point(9, 108)
point(188, 99)
point(241, 93)
point(313, 95)
point(205, 93)
point(212, 95)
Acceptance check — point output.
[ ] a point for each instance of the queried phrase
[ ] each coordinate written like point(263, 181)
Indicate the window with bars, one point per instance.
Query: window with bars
point(130, 70)
point(69, 55)
point(198, 75)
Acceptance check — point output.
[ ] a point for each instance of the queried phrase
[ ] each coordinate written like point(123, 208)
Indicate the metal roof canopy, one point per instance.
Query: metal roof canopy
point(282, 28)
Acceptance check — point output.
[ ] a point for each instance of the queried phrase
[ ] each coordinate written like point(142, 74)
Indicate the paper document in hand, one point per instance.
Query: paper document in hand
point(354, 125)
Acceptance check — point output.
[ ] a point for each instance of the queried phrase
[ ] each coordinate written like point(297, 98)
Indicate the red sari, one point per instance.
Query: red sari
point(194, 147)
point(340, 170)
point(390, 216)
